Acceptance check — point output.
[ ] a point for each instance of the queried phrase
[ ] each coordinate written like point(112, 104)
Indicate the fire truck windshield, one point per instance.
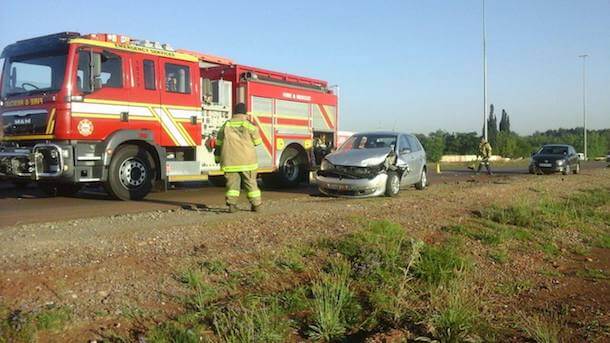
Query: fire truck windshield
point(33, 72)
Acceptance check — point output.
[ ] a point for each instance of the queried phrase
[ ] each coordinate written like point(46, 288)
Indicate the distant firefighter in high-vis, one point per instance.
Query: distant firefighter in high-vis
point(236, 153)
point(485, 153)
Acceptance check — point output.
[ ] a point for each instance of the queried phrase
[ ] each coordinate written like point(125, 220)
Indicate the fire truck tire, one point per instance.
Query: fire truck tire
point(130, 175)
point(217, 180)
point(292, 168)
point(61, 189)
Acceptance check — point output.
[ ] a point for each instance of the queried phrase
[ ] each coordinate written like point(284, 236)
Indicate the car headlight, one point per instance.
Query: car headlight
point(559, 162)
point(326, 165)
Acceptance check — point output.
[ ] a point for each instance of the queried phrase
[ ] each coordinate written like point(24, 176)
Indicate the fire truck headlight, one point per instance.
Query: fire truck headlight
point(326, 165)
point(65, 153)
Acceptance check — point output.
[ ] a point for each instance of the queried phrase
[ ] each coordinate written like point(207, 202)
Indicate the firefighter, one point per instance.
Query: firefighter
point(236, 153)
point(485, 153)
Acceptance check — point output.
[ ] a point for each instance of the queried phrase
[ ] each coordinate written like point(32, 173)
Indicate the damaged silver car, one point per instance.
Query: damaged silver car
point(372, 164)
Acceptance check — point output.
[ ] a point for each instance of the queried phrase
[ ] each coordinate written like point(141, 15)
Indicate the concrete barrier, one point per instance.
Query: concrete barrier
point(469, 158)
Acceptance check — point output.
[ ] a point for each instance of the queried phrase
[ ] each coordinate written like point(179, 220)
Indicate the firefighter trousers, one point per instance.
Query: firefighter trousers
point(247, 179)
point(484, 162)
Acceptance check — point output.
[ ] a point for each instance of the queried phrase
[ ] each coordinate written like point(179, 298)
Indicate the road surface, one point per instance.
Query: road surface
point(30, 205)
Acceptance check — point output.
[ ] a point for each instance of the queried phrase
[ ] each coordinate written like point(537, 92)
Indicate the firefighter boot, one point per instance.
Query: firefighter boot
point(232, 208)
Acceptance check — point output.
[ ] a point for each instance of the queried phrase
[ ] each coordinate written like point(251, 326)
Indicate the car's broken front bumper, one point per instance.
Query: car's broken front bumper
point(352, 187)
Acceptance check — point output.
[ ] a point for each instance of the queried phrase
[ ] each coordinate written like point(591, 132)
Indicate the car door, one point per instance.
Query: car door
point(406, 160)
point(419, 156)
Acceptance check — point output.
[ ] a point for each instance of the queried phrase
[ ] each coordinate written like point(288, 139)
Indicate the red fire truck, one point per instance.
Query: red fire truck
point(134, 115)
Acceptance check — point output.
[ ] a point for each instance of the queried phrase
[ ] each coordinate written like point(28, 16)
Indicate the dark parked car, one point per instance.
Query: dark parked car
point(552, 158)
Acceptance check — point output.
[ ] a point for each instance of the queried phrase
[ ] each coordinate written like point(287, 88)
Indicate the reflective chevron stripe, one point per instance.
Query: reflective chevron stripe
point(254, 194)
point(232, 193)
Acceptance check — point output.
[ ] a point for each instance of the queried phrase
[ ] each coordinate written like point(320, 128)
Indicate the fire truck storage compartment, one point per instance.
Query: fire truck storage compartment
point(216, 109)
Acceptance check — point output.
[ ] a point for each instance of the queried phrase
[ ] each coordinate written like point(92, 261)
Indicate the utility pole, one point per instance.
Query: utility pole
point(484, 74)
point(584, 100)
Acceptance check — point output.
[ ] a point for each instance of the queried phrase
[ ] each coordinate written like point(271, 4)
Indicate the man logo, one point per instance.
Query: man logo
point(85, 127)
point(25, 121)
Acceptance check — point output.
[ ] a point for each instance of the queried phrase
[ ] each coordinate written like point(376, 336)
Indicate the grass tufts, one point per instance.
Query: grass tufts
point(251, 322)
point(331, 294)
point(439, 264)
point(541, 329)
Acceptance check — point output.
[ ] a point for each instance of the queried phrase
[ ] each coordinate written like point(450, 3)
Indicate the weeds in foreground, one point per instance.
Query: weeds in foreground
point(331, 294)
point(499, 255)
point(254, 322)
point(439, 264)
point(595, 274)
point(541, 329)
point(456, 316)
point(603, 241)
point(19, 326)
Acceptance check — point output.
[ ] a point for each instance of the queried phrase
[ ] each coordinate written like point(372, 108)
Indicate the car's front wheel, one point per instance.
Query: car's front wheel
point(577, 169)
point(423, 180)
point(392, 186)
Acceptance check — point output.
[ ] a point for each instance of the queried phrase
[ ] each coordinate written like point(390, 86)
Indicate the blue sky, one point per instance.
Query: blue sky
point(409, 65)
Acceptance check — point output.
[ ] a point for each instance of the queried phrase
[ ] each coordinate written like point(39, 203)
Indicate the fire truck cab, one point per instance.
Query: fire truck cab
point(134, 115)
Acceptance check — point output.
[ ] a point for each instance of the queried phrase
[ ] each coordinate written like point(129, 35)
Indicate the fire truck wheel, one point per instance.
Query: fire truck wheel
point(130, 174)
point(292, 168)
point(61, 189)
point(217, 181)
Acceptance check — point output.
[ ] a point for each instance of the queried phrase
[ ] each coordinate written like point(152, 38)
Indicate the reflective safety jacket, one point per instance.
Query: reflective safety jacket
point(235, 145)
point(485, 150)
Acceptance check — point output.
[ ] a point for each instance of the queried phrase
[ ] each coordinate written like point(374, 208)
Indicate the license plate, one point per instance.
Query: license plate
point(338, 187)
point(545, 165)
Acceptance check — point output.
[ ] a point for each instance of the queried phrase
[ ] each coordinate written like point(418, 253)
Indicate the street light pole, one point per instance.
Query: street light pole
point(584, 100)
point(484, 74)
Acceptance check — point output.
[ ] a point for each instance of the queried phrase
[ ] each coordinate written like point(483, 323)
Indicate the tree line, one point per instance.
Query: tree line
point(510, 144)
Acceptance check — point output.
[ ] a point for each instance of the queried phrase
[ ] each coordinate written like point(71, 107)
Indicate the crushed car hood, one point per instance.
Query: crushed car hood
point(359, 157)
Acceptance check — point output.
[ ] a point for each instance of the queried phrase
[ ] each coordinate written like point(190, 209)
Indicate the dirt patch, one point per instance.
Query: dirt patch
point(104, 269)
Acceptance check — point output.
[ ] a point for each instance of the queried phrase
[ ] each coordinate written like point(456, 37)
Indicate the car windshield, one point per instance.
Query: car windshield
point(554, 150)
point(33, 73)
point(371, 141)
